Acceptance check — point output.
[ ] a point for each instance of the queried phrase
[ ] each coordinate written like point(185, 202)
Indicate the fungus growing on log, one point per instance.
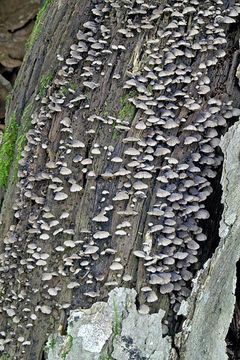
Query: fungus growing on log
point(104, 167)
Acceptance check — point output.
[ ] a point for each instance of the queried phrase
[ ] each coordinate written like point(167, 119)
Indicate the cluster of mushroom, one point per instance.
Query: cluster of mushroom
point(170, 149)
point(48, 242)
point(175, 143)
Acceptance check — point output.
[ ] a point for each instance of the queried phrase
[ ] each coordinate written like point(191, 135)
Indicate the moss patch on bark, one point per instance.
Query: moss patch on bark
point(7, 149)
point(38, 24)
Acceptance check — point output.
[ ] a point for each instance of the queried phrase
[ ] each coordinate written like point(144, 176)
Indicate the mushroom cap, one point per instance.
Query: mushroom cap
point(160, 278)
point(121, 195)
point(77, 144)
point(73, 285)
point(65, 171)
point(52, 291)
point(162, 193)
point(116, 266)
point(91, 249)
point(69, 243)
point(139, 253)
point(144, 309)
point(167, 288)
point(180, 255)
point(60, 196)
point(151, 297)
point(75, 188)
point(100, 235)
point(45, 309)
point(132, 152)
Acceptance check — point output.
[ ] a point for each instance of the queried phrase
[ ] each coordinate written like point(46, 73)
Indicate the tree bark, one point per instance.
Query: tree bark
point(119, 182)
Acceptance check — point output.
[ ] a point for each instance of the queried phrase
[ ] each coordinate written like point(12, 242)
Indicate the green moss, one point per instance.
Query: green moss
point(5, 357)
point(45, 80)
point(38, 24)
point(7, 149)
point(21, 137)
point(13, 142)
point(8, 99)
point(127, 110)
point(106, 357)
point(73, 85)
point(64, 90)
point(67, 347)
point(150, 88)
point(116, 320)
point(50, 345)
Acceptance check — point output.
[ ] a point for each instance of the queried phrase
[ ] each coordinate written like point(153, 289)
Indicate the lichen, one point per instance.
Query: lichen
point(7, 149)
point(44, 83)
point(38, 24)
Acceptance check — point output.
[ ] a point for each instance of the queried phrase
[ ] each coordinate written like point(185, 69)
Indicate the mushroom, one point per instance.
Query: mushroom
point(90, 249)
point(151, 297)
point(116, 266)
point(69, 243)
point(166, 289)
point(65, 171)
point(73, 285)
point(75, 188)
point(144, 309)
point(139, 254)
point(60, 196)
point(77, 144)
point(52, 291)
point(100, 235)
point(45, 309)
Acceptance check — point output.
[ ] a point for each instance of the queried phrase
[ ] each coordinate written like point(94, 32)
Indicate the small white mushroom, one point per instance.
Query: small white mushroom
point(65, 171)
point(100, 218)
point(116, 266)
point(64, 215)
point(166, 289)
point(66, 121)
point(151, 297)
point(10, 312)
point(100, 235)
point(144, 309)
point(73, 285)
point(132, 152)
point(162, 193)
point(69, 243)
point(45, 309)
point(60, 196)
point(52, 291)
point(46, 276)
point(75, 188)
point(121, 195)
point(44, 236)
point(91, 250)
point(77, 144)
point(127, 278)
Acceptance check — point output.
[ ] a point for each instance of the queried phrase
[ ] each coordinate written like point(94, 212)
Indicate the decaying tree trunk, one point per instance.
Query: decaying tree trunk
point(111, 213)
